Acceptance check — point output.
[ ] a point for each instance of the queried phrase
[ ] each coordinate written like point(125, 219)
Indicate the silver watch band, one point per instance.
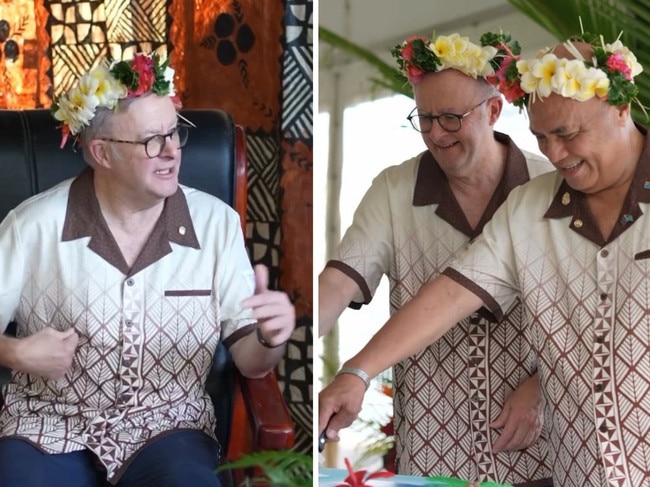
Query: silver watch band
point(358, 372)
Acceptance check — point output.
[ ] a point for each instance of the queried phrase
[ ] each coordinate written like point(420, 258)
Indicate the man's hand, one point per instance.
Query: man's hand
point(47, 353)
point(522, 417)
point(276, 316)
point(339, 404)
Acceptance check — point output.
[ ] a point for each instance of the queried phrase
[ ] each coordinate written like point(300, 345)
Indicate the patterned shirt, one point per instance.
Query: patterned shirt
point(147, 333)
point(410, 226)
point(587, 299)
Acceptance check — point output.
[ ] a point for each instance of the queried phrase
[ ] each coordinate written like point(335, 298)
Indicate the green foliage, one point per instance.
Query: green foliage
point(286, 468)
point(390, 77)
point(123, 72)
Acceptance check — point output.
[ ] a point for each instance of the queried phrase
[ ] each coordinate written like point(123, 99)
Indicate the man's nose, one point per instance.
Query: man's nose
point(555, 150)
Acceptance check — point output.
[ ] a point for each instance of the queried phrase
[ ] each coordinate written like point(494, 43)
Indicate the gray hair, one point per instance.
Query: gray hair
point(100, 126)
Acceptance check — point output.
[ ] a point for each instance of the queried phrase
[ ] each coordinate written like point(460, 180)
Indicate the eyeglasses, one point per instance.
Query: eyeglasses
point(448, 121)
point(154, 145)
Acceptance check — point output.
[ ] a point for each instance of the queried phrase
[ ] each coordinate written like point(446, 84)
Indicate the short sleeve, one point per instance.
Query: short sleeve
point(235, 282)
point(488, 266)
point(366, 250)
point(12, 269)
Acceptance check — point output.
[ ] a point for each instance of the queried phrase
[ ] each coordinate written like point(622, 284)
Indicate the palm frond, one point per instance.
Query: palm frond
point(391, 78)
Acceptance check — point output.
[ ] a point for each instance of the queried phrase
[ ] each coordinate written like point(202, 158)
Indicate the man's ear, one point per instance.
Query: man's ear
point(624, 113)
point(495, 105)
point(99, 152)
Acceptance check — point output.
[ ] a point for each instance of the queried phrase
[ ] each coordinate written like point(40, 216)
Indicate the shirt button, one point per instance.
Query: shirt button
point(474, 362)
point(126, 362)
point(128, 322)
point(600, 339)
point(599, 388)
point(604, 253)
point(577, 223)
point(603, 428)
point(603, 296)
point(130, 282)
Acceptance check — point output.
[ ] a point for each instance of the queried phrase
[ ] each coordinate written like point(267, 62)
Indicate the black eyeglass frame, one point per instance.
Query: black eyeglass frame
point(182, 130)
point(430, 118)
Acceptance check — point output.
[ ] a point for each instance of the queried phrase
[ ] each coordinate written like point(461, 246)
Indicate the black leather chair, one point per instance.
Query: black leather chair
point(252, 413)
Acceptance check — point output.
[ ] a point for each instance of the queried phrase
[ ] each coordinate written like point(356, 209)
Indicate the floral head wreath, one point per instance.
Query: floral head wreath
point(105, 86)
point(416, 56)
point(608, 74)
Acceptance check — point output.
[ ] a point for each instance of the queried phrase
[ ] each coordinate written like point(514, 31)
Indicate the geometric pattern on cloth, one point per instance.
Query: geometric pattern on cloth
point(263, 177)
point(295, 373)
point(299, 23)
point(458, 378)
point(589, 303)
point(296, 370)
point(442, 404)
point(263, 244)
point(302, 415)
point(297, 93)
point(84, 32)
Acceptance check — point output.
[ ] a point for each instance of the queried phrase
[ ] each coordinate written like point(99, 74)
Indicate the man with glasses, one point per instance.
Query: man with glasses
point(469, 405)
point(573, 246)
point(122, 283)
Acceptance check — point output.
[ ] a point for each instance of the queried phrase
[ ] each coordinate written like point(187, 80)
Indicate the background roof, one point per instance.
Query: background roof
point(378, 25)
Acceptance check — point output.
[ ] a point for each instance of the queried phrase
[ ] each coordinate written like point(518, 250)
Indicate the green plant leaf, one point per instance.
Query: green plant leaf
point(391, 77)
point(283, 468)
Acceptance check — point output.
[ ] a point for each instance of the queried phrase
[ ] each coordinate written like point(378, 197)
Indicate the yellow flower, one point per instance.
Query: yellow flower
point(460, 53)
point(106, 88)
point(544, 69)
point(593, 82)
point(444, 47)
point(566, 80)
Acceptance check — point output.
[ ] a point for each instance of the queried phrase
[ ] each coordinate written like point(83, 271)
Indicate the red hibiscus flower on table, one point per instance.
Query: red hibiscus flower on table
point(360, 477)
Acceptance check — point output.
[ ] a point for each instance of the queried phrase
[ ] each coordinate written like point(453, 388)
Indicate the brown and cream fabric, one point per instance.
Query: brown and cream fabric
point(409, 226)
point(587, 300)
point(147, 334)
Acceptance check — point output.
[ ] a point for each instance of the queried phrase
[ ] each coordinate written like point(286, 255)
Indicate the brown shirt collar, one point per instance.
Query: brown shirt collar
point(432, 187)
point(84, 219)
point(571, 203)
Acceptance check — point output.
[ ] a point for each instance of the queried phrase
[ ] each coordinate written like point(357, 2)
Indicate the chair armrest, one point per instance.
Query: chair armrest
point(259, 408)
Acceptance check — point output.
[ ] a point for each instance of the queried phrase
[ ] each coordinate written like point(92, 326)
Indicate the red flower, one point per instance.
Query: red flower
point(388, 429)
point(143, 65)
point(415, 74)
point(358, 479)
point(65, 133)
point(615, 62)
point(407, 50)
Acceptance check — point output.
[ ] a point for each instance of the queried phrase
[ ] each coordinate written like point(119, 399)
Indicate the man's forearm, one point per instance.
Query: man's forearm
point(335, 291)
point(437, 307)
point(9, 352)
point(253, 359)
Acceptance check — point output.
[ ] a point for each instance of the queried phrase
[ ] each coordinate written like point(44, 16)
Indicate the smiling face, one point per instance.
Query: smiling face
point(133, 177)
point(581, 139)
point(450, 91)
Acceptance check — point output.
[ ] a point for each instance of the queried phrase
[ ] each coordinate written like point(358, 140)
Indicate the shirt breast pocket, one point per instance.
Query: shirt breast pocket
point(179, 293)
point(645, 254)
